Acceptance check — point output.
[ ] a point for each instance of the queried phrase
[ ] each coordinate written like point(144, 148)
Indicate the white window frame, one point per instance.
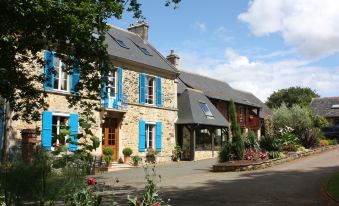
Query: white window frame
point(56, 114)
point(115, 86)
point(154, 88)
point(147, 134)
point(60, 72)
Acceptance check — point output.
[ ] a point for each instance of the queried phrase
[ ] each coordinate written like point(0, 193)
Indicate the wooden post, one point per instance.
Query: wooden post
point(193, 136)
point(212, 136)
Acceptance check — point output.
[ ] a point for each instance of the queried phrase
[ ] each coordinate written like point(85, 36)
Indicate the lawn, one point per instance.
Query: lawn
point(333, 186)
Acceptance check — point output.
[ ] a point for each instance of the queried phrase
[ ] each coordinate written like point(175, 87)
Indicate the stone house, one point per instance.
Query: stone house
point(139, 110)
point(327, 107)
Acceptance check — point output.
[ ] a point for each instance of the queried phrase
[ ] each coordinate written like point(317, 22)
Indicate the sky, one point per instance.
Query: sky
point(259, 46)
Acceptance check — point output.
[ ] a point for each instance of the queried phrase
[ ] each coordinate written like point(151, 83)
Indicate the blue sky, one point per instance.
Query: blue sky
point(259, 46)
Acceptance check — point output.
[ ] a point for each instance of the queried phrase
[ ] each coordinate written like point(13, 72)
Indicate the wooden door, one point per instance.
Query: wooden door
point(111, 136)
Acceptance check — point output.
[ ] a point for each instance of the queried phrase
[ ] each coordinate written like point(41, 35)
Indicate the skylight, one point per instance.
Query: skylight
point(335, 106)
point(145, 51)
point(206, 110)
point(121, 43)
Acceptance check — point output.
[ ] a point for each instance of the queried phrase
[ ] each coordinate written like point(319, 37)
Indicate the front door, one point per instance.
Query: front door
point(110, 136)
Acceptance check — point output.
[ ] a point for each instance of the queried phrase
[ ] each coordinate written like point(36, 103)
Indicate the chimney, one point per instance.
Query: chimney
point(173, 59)
point(140, 28)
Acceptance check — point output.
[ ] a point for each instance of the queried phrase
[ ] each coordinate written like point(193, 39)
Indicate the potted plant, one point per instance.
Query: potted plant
point(108, 152)
point(176, 153)
point(151, 155)
point(127, 154)
point(136, 159)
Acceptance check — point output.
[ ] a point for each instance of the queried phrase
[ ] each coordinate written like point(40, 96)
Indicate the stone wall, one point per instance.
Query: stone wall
point(199, 155)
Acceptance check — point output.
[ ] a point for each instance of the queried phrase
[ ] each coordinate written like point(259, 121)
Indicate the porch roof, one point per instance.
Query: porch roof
point(189, 103)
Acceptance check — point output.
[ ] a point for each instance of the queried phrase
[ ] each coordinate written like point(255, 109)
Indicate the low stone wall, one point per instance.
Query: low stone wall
point(222, 167)
point(200, 155)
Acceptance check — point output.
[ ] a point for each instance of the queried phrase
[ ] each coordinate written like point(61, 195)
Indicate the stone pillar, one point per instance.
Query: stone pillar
point(29, 139)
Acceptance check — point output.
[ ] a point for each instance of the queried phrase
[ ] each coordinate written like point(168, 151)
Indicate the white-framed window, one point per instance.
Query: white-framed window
point(61, 78)
point(59, 121)
point(150, 135)
point(112, 85)
point(150, 90)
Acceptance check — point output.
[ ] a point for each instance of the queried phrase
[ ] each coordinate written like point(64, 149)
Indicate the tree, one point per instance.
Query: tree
point(291, 96)
point(74, 28)
point(238, 142)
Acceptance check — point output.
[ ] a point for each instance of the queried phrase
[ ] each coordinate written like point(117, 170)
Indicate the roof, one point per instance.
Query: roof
point(192, 113)
point(134, 53)
point(217, 89)
point(323, 106)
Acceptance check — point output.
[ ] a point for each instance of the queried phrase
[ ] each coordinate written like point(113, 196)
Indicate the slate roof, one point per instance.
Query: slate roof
point(216, 89)
point(191, 112)
point(322, 106)
point(134, 42)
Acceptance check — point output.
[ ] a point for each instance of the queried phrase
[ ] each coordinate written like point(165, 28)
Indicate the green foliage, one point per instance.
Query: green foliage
point(311, 137)
point(286, 137)
point(127, 151)
point(66, 27)
point(151, 195)
point(296, 117)
point(82, 197)
point(238, 142)
point(252, 141)
point(226, 152)
point(270, 143)
point(291, 96)
point(136, 159)
point(319, 121)
point(108, 151)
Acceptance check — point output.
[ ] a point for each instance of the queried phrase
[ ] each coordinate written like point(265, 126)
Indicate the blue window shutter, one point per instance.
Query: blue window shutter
point(142, 88)
point(158, 92)
point(46, 137)
point(75, 77)
point(115, 103)
point(120, 84)
point(48, 70)
point(142, 135)
point(73, 122)
point(103, 93)
point(158, 137)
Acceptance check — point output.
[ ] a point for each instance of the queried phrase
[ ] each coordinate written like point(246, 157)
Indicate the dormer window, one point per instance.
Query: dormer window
point(121, 43)
point(335, 106)
point(145, 51)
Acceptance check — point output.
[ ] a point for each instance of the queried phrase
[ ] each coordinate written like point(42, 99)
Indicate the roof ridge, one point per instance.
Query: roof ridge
point(207, 77)
point(122, 29)
point(334, 97)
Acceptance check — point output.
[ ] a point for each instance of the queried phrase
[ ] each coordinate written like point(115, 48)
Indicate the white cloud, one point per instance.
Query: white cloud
point(262, 78)
point(311, 26)
point(200, 26)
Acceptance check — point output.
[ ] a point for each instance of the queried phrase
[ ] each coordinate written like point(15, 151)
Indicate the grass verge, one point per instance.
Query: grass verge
point(332, 187)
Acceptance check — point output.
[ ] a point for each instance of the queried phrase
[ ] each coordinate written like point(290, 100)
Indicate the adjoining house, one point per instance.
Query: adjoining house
point(139, 110)
point(327, 107)
point(203, 117)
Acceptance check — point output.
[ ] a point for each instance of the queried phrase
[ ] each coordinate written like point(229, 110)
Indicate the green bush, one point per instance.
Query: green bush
point(108, 151)
point(251, 141)
point(225, 153)
point(269, 143)
point(287, 138)
point(319, 121)
point(127, 151)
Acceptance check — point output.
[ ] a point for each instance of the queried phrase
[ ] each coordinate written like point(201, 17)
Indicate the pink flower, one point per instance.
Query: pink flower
point(156, 204)
point(91, 181)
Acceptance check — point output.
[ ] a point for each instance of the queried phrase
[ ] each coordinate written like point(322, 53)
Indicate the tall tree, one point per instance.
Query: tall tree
point(74, 28)
point(238, 142)
point(291, 96)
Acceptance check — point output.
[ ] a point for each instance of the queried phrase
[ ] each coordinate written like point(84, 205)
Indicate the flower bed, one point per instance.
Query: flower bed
point(245, 165)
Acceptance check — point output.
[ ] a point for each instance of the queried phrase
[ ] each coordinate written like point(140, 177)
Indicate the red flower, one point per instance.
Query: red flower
point(156, 204)
point(91, 181)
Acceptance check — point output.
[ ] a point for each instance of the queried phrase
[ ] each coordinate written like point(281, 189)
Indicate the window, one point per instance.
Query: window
point(206, 110)
point(112, 83)
point(150, 85)
point(60, 75)
point(150, 134)
point(121, 43)
point(58, 123)
point(145, 51)
point(335, 106)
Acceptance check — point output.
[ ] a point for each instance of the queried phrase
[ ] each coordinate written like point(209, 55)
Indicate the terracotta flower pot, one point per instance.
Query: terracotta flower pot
point(127, 159)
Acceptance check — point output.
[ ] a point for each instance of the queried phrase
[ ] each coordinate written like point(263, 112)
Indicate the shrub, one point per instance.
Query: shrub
point(225, 153)
point(333, 141)
point(127, 151)
point(136, 159)
point(251, 141)
point(324, 142)
point(269, 143)
point(290, 148)
point(319, 121)
point(310, 138)
point(108, 152)
point(238, 142)
point(286, 137)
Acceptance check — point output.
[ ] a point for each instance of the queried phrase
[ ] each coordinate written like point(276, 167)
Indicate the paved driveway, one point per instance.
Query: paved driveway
point(191, 183)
